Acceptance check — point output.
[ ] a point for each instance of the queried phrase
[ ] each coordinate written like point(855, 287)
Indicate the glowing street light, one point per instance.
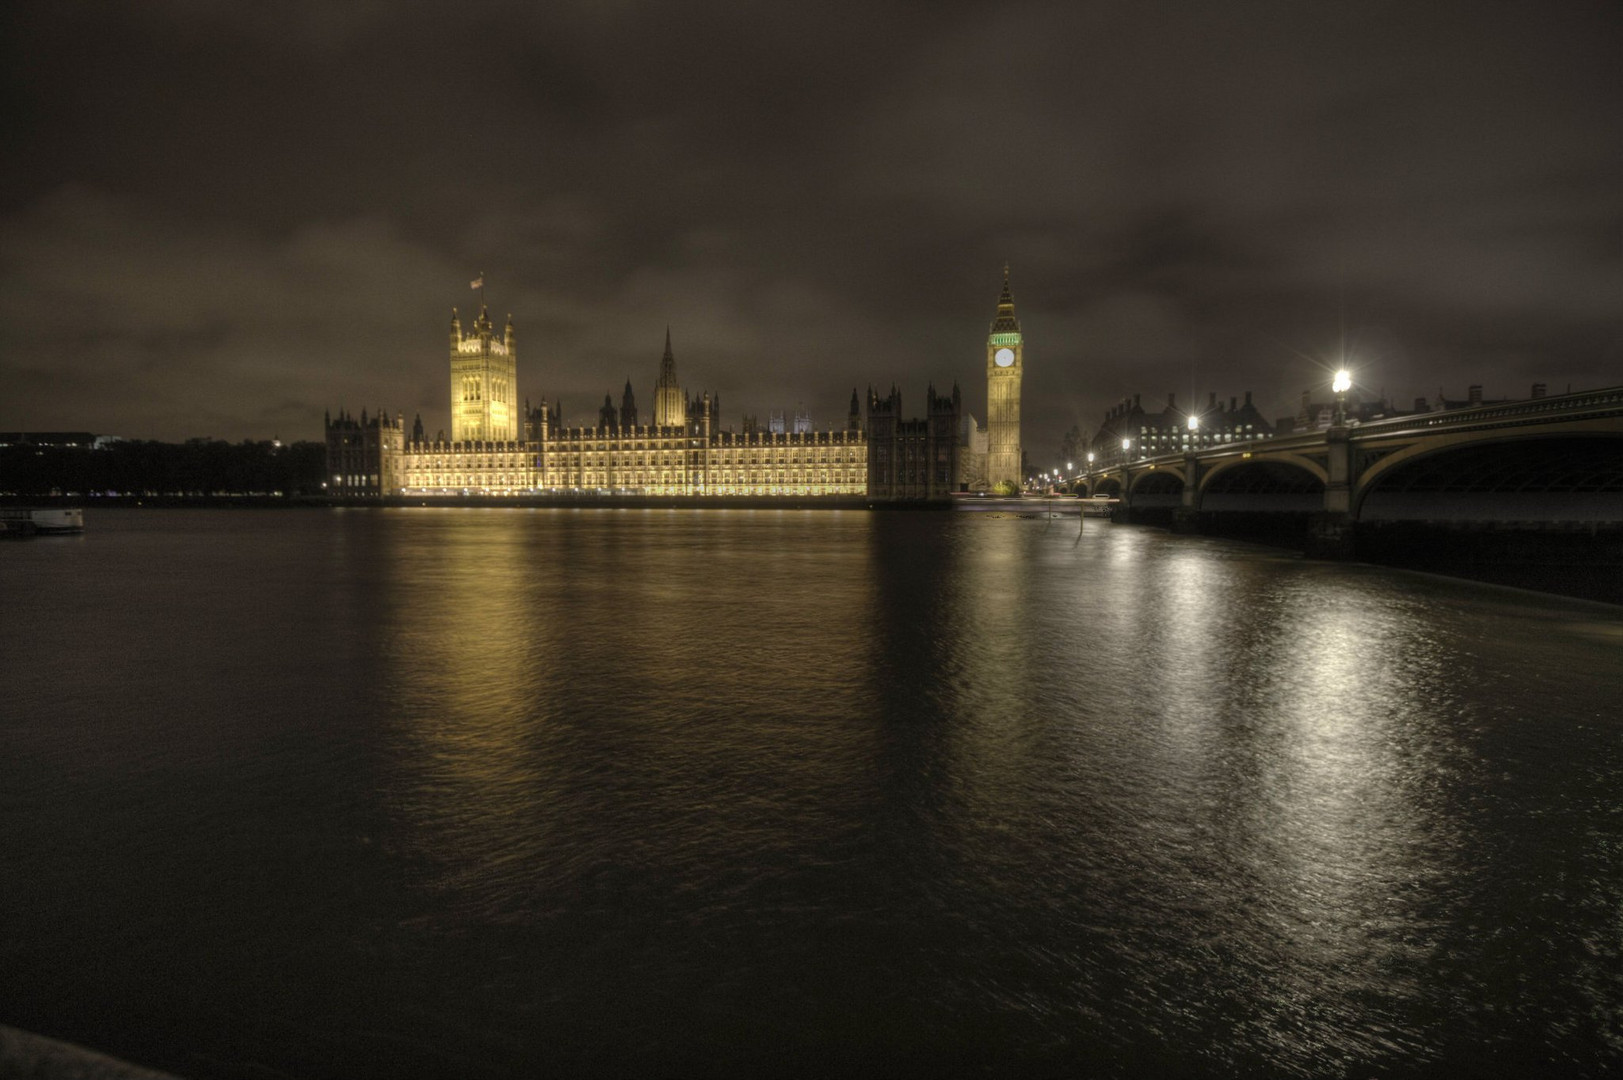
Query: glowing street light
point(1090, 459)
point(1342, 383)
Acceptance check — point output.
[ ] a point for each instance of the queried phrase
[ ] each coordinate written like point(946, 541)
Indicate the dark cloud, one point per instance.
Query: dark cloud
point(222, 219)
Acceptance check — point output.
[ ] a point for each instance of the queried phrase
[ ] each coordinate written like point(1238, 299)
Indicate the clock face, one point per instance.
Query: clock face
point(1004, 357)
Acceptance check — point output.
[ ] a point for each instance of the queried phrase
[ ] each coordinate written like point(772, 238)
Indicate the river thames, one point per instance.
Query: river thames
point(493, 793)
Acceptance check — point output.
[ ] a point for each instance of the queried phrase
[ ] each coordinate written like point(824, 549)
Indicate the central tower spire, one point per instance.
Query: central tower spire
point(670, 403)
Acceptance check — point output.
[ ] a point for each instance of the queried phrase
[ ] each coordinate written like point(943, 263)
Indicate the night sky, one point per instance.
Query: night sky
point(223, 219)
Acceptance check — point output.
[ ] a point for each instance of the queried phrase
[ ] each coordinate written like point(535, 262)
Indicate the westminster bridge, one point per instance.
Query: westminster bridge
point(1551, 465)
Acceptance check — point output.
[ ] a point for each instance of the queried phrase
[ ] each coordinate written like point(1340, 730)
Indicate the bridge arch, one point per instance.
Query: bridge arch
point(1163, 480)
point(1107, 487)
point(1549, 477)
point(1294, 461)
point(1264, 485)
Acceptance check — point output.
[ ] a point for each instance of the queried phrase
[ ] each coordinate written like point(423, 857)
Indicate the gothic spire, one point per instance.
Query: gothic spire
point(667, 363)
point(1005, 323)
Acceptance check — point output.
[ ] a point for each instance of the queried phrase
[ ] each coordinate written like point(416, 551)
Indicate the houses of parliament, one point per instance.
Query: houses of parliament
point(499, 446)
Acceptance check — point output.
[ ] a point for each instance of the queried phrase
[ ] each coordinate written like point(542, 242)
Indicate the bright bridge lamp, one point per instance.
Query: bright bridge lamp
point(1342, 383)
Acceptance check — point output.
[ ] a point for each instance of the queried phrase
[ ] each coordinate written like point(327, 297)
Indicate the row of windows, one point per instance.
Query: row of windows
point(503, 488)
point(743, 443)
point(780, 458)
point(518, 461)
point(652, 444)
point(1157, 431)
point(1204, 437)
point(458, 479)
point(473, 389)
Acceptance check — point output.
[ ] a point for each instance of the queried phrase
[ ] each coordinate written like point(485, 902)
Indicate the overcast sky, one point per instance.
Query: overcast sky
point(224, 218)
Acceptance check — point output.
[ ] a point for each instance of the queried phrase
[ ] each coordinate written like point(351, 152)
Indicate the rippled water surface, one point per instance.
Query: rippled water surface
point(507, 792)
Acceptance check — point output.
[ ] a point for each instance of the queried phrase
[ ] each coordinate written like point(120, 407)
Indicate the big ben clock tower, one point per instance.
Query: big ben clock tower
point(1004, 364)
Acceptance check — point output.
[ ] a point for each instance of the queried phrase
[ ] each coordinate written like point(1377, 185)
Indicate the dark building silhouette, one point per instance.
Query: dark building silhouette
point(913, 459)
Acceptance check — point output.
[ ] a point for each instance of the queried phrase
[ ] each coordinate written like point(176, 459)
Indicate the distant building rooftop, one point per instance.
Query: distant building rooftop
point(49, 438)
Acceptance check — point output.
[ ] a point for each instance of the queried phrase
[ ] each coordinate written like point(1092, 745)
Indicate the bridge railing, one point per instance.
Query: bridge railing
point(1588, 403)
point(1608, 401)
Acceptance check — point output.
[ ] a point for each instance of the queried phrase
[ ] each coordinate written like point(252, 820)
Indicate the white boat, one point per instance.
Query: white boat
point(30, 521)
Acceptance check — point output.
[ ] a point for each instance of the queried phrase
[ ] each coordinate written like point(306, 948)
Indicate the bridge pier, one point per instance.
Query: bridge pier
point(1331, 532)
point(1186, 517)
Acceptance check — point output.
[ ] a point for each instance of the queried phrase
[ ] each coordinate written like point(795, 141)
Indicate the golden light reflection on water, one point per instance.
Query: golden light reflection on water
point(556, 682)
point(472, 673)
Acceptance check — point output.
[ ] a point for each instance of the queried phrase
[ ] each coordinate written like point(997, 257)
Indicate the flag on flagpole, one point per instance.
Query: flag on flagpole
point(477, 283)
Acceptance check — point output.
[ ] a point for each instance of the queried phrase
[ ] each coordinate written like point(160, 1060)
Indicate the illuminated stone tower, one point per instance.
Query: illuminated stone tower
point(484, 382)
point(1004, 365)
point(670, 403)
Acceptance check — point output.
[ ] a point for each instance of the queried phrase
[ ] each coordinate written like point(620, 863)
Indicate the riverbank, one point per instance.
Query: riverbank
point(22, 1053)
point(560, 500)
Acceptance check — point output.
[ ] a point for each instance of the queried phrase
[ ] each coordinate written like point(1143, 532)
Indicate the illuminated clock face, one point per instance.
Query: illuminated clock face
point(1004, 357)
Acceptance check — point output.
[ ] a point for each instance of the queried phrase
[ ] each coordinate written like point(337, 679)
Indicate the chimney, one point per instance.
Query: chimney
point(1211, 400)
point(1538, 390)
point(1234, 404)
point(1421, 405)
point(1135, 401)
point(1248, 398)
point(1476, 394)
point(1172, 401)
